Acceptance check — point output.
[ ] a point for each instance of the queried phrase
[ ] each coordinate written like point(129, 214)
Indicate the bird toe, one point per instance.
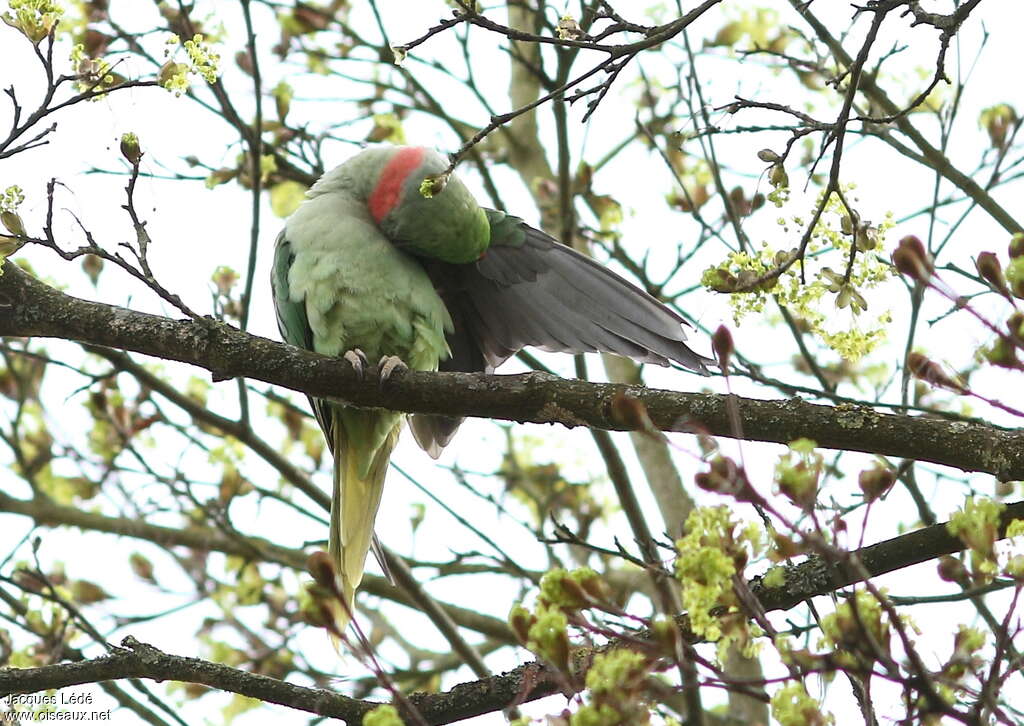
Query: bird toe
point(388, 365)
point(357, 359)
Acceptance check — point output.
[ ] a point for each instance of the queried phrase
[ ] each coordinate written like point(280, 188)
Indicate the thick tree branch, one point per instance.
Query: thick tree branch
point(815, 576)
point(28, 307)
point(140, 660)
point(527, 683)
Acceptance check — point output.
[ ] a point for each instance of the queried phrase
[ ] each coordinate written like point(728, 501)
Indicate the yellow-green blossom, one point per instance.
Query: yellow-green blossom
point(283, 94)
point(549, 638)
point(709, 555)
point(385, 715)
point(859, 627)
point(91, 74)
point(11, 199)
point(977, 526)
point(11, 221)
point(268, 165)
point(833, 240)
point(572, 590)
point(792, 706)
point(798, 471)
point(202, 61)
point(34, 18)
point(615, 685)
point(774, 578)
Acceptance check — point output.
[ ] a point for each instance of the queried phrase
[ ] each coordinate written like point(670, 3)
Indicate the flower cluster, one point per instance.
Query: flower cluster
point(753, 277)
point(562, 595)
point(711, 553)
point(202, 61)
point(36, 19)
point(91, 74)
point(977, 526)
point(10, 200)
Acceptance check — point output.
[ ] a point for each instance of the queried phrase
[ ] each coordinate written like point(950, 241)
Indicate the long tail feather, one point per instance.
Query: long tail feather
point(353, 511)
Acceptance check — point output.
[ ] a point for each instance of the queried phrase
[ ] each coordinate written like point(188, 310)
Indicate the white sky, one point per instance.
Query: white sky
point(194, 231)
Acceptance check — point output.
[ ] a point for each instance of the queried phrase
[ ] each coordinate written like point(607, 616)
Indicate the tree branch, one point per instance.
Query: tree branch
point(528, 682)
point(30, 308)
point(45, 512)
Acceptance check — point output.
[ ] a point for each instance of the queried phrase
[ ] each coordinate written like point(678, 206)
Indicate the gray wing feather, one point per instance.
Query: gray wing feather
point(545, 294)
point(541, 293)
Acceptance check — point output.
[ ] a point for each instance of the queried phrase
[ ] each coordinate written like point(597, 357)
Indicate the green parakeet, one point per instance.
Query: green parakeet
point(371, 267)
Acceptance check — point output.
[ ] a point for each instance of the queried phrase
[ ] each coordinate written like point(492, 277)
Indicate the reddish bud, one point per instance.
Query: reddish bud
point(721, 343)
point(951, 569)
point(142, 567)
point(876, 481)
point(632, 413)
point(595, 588)
point(725, 477)
point(912, 260)
point(990, 271)
point(321, 567)
point(785, 547)
point(931, 372)
point(92, 265)
point(244, 61)
point(521, 620)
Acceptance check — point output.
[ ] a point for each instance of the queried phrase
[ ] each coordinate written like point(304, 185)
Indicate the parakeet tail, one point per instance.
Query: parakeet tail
point(353, 511)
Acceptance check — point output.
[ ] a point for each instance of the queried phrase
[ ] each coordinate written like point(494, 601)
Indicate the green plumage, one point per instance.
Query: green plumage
point(370, 263)
point(340, 285)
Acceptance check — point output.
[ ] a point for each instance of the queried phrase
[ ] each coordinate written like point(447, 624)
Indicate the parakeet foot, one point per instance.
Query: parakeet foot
point(388, 365)
point(357, 359)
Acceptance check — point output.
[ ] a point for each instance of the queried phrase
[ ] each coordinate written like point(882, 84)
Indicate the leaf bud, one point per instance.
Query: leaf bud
point(721, 343)
point(911, 259)
point(320, 566)
point(1017, 245)
point(130, 148)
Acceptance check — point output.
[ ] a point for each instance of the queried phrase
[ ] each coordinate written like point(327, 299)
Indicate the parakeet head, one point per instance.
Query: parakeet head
point(423, 212)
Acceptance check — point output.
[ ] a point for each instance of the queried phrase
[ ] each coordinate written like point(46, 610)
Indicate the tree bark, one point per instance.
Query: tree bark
point(29, 307)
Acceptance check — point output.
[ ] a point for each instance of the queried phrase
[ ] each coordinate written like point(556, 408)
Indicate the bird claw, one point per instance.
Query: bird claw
point(357, 359)
point(388, 365)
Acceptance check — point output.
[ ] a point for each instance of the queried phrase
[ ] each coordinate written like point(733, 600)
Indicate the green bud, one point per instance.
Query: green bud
point(777, 176)
point(1017, 245)
point(12, 221)
point(433, 185)
point(130, 148)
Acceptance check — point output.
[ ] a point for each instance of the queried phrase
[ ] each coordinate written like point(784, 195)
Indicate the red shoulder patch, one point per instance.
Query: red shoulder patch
point(389, 187)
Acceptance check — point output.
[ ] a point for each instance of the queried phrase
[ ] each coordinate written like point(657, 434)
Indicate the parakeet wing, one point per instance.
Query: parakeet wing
point(529, 289)
point(294, 325)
